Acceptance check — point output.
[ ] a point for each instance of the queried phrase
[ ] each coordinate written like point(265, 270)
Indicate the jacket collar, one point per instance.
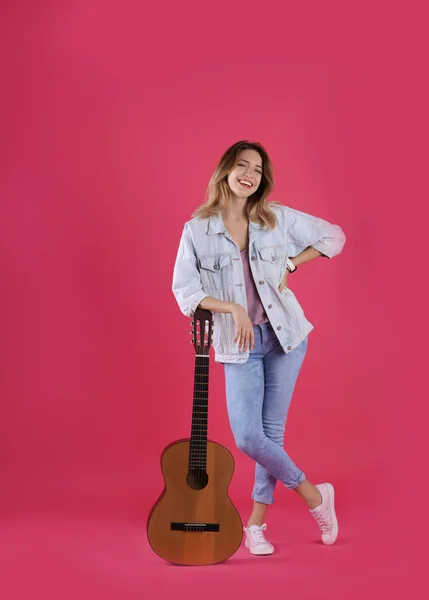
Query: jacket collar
point(216, 224)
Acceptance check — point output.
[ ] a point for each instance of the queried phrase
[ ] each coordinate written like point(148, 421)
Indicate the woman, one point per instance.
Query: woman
point(234, 260)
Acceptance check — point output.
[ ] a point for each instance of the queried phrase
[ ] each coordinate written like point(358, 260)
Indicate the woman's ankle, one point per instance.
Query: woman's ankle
point(309, 493)
point(253, 522)
point(314, 503)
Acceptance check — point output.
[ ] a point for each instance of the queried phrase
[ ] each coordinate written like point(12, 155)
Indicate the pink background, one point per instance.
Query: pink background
point(113, 117)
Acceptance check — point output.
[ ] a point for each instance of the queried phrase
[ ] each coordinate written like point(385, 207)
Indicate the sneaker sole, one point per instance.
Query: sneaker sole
point(256, 553)
point(334, 533)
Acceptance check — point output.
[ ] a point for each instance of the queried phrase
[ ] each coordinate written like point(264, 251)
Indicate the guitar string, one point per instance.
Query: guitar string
point(201, 407)
point(197, 453)
point(200, 403)
point(194, 475)
point(194, 457)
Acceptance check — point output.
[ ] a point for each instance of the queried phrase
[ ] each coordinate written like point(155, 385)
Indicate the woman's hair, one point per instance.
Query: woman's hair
point(218, 190)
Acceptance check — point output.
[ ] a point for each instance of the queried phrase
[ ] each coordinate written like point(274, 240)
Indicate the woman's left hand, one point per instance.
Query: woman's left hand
point(283, 282)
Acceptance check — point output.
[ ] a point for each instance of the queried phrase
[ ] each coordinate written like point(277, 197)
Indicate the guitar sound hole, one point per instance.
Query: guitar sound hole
point(197, 479)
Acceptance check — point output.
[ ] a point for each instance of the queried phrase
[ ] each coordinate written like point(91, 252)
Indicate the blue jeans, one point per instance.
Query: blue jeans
point(258, 395)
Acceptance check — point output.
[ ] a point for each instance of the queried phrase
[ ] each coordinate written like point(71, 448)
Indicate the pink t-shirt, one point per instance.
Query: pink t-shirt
point(255, 308)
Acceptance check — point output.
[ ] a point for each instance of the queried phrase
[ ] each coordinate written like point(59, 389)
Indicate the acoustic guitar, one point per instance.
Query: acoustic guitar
point(194, 521)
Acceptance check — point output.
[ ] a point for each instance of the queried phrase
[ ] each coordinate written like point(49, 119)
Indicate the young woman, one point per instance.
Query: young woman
point(234, 259)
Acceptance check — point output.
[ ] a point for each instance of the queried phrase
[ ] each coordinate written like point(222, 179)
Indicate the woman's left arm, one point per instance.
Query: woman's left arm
point(309, 237)
point(309, 253)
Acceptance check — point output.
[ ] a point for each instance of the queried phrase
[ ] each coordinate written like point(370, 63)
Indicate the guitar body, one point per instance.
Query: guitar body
point(194, 521)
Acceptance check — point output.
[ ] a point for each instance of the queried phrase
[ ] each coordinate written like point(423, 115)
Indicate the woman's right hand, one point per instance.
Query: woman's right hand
point(243, 328)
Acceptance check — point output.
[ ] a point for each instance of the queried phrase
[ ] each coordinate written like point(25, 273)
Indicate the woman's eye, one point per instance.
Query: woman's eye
point(241, 165)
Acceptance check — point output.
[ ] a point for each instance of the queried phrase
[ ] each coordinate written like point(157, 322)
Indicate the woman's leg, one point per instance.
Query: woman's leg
point(281, 373)
point(245, 390)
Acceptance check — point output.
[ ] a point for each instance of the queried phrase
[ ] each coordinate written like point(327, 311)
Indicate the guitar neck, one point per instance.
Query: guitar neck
point(198, 444)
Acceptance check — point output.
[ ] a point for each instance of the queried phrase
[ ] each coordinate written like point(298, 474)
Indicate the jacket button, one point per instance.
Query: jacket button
point(270, 306)
point(253, 257)
point(262, 281)
point(279, 327)
point(289, 347)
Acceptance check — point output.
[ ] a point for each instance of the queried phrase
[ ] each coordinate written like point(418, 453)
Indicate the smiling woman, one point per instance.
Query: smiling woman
point(234, 258)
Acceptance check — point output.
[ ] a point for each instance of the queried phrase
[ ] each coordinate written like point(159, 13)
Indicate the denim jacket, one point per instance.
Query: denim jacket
point(208, 263)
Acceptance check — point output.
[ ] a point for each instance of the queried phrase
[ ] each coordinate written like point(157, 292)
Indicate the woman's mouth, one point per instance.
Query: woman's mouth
point(247, 185)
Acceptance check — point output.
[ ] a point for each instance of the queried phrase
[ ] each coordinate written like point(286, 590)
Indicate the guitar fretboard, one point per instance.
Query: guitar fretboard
point(198, 445)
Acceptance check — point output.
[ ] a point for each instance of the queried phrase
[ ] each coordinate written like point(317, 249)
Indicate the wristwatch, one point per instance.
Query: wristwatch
point(290, 266)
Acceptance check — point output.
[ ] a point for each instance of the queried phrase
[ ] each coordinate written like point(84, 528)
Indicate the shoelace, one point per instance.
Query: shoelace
point(257, 535)
point(321, 522)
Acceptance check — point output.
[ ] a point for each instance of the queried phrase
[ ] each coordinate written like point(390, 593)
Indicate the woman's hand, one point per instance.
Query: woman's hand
point(283, 282)
point(243, 328)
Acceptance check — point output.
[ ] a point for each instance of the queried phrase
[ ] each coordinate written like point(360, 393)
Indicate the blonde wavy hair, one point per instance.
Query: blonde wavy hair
point(218, 190)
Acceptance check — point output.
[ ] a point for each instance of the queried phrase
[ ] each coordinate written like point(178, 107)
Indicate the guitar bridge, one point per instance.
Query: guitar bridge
point(194, 526)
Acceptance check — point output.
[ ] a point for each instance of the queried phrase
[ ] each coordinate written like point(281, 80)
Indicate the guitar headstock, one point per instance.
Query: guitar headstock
point(202, 331)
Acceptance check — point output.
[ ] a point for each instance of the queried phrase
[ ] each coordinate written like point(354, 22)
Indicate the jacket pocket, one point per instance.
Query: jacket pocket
point(294, 308)
point(271, 261)
point(216, 271)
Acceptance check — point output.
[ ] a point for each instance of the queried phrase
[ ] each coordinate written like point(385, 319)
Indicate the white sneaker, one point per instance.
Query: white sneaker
point(255, 540)
point(325, 514)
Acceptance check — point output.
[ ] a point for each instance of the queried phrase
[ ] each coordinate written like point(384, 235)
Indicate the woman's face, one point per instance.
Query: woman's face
point(248, 169)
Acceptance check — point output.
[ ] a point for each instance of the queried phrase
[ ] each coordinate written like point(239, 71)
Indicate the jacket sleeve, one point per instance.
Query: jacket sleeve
point(304, 230)
point(187, 286)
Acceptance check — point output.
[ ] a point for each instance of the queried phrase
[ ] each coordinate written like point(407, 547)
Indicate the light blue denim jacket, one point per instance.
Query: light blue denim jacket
point(208, 263)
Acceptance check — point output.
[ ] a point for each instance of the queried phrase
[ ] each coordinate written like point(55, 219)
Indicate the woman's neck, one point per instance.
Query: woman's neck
point(235, 211)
